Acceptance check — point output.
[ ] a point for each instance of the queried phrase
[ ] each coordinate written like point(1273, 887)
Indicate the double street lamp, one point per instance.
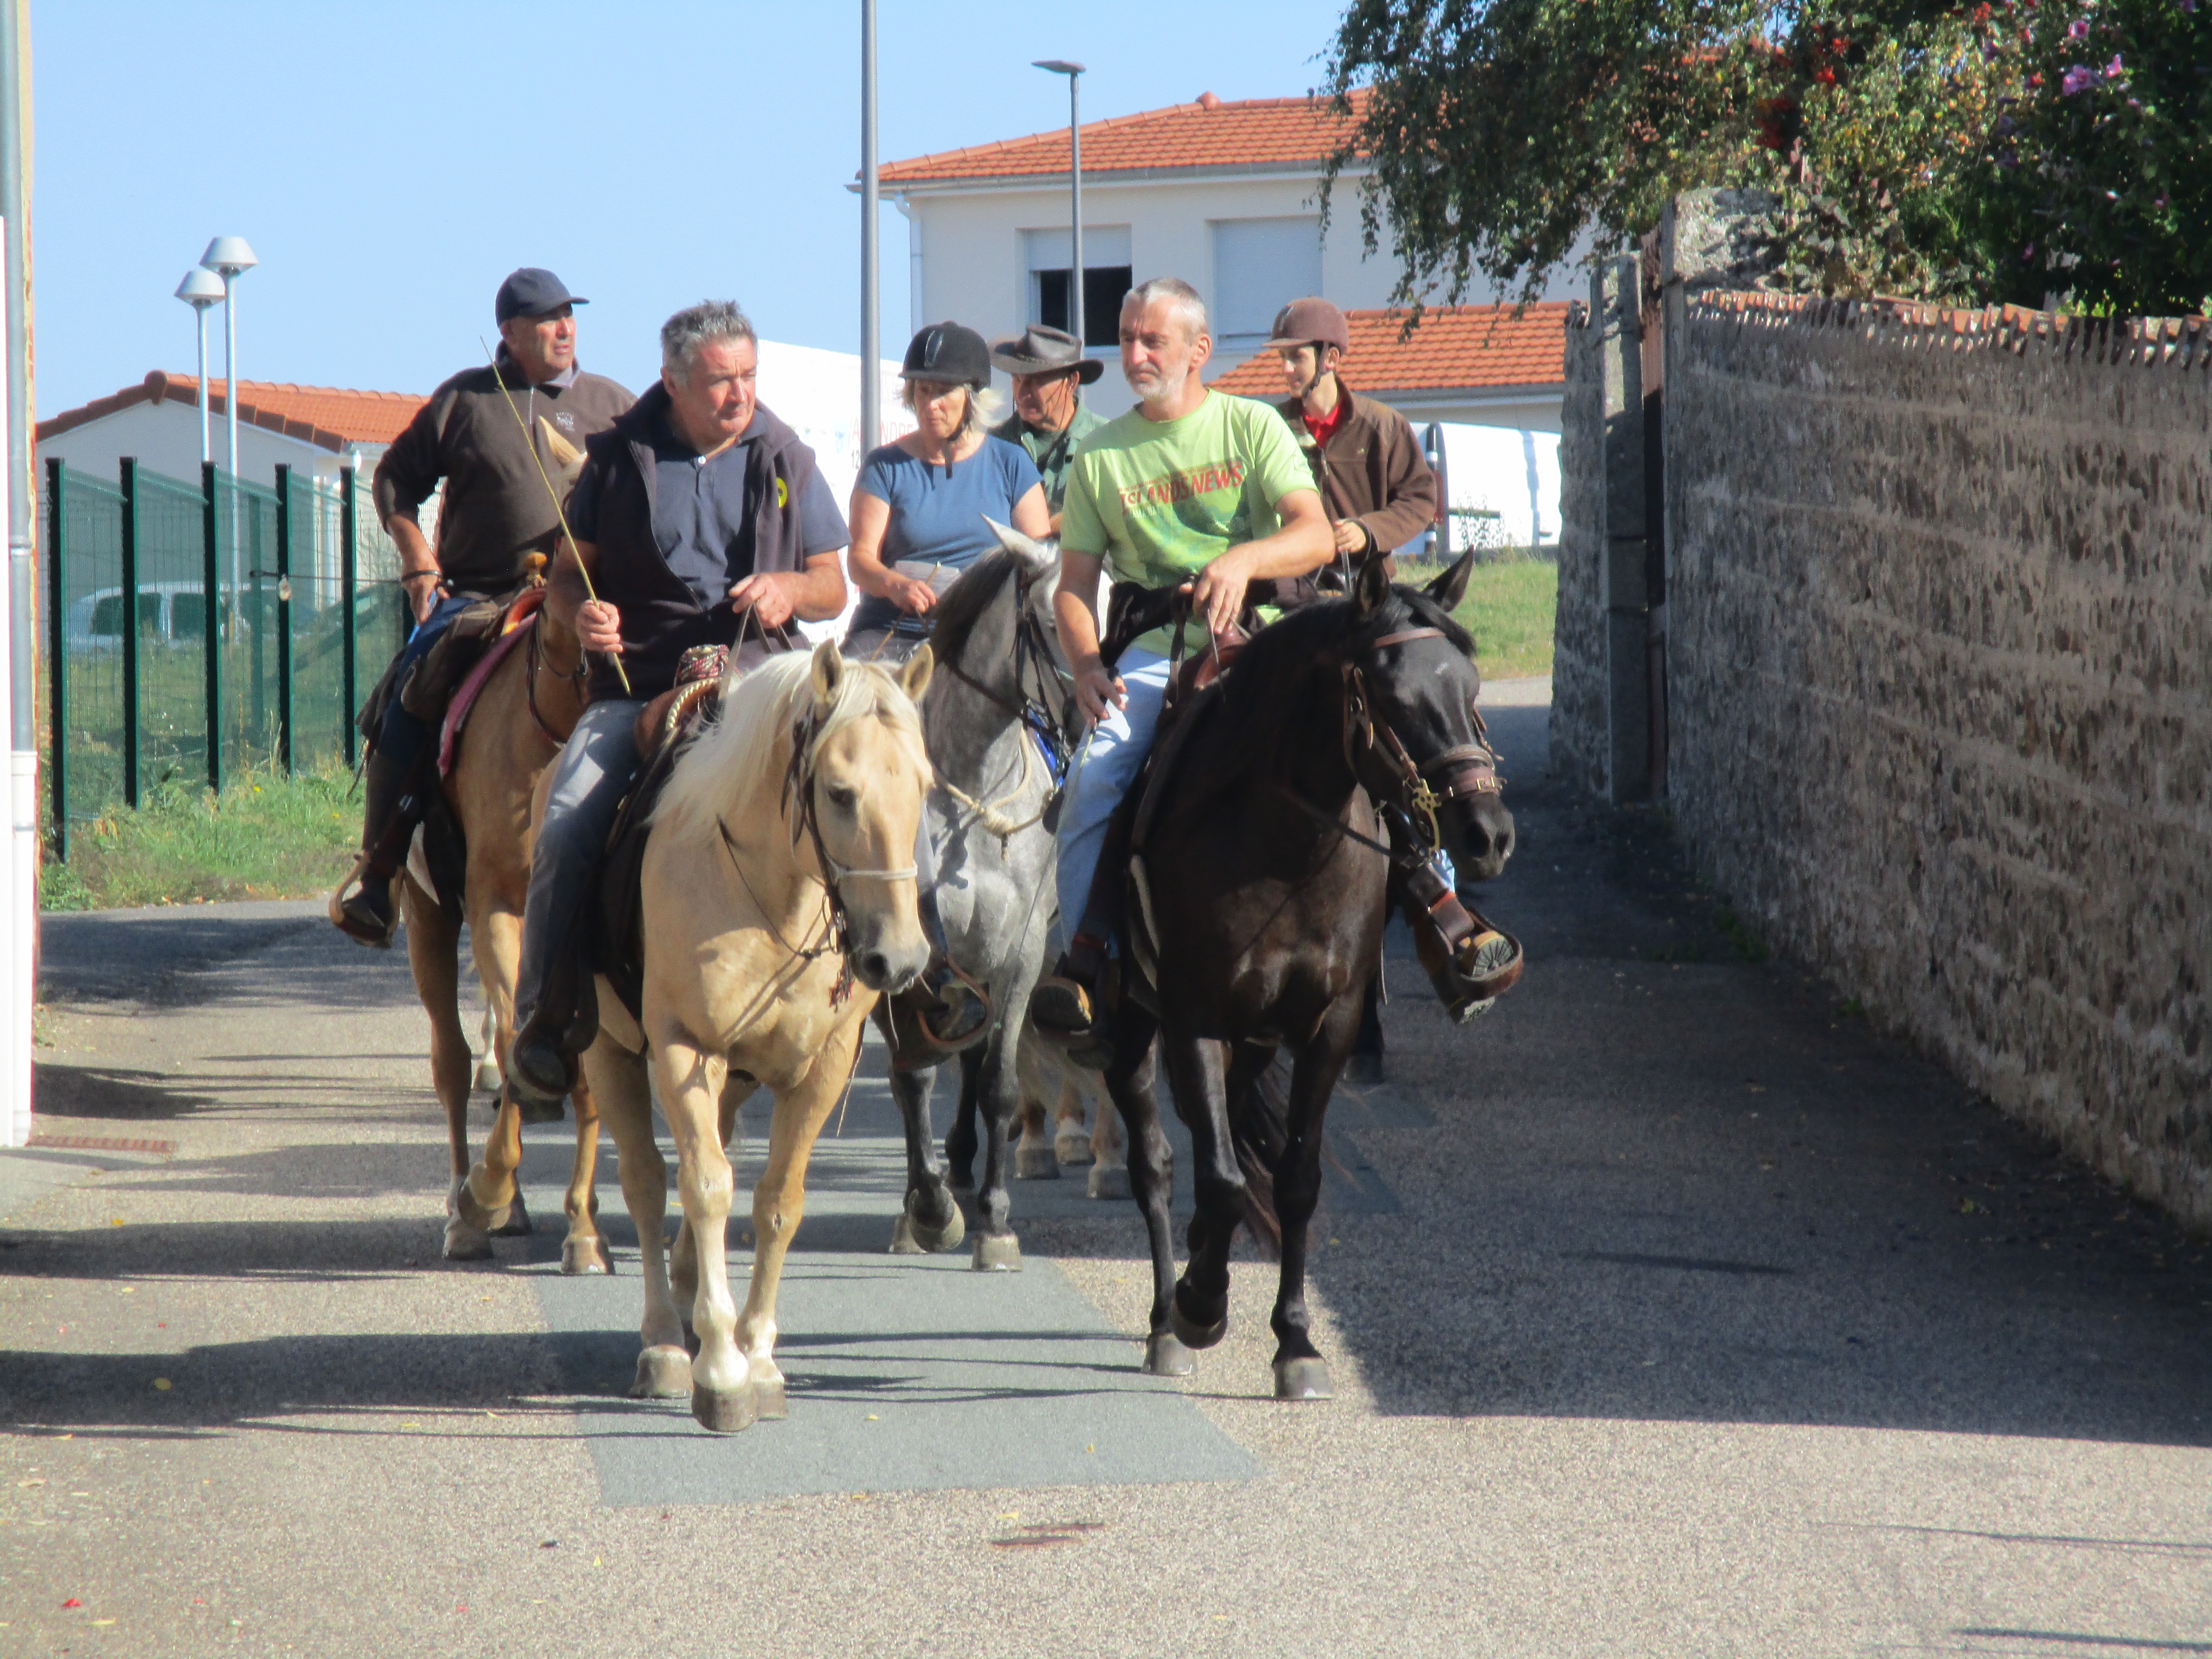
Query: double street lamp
point(201, 289)
point(1074, 74)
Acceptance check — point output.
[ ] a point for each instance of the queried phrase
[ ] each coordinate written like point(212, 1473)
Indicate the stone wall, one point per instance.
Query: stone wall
point(1578, 659)
point(1940, 688)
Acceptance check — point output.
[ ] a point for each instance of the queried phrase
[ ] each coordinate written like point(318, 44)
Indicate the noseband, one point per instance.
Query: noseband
point(1467, 769)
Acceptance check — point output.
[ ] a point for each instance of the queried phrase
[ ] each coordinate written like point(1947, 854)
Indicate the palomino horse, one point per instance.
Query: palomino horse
point(526, 706)
point(991, 702)
point(778, 872)
point(1258, 874)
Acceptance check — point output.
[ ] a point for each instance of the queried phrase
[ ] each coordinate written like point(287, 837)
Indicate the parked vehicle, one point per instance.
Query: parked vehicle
point(169, 613)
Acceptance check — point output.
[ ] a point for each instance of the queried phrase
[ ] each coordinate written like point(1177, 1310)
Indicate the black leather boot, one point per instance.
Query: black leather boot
point(541, 1060)
point(1470, 962)
point(391, 807)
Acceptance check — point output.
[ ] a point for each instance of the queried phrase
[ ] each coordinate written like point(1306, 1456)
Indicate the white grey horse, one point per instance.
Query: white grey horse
point(990, 719)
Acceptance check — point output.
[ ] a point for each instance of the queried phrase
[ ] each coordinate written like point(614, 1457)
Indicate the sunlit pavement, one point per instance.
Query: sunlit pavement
point(1672, 1311)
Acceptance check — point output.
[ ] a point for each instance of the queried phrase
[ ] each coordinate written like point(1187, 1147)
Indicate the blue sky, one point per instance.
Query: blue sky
point(391, 163)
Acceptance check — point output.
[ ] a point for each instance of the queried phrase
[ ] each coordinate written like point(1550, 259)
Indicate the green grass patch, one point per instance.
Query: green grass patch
point(265, 837)
point(1510, 608)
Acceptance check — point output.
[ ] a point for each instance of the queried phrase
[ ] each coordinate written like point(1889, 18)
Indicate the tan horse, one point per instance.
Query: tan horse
point(779, 873)
point(506, 747)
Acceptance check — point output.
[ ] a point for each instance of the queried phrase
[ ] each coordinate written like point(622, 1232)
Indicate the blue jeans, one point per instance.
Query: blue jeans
point(1104, 772)
point(591, 776)
point(403, 735)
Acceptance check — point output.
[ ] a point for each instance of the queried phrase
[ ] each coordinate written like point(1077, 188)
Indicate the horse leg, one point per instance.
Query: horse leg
point(1035, 1157)
point(1199, 1314)
point(779, 1205)
point(684, 1254)
point(985, 1074)
point(585, 1250)
point(1133, 1080)
point(495, 941)
point(930, 1218)
point(1300, 1371)
point(1110, 1170)
point(691, 1084)
point(488, 1057)
point(617, 1077)
point(960, 1141)
point(1070, 1142)
point(433, 952)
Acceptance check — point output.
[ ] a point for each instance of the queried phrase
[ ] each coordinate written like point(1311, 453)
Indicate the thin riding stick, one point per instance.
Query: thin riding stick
point(559, 513)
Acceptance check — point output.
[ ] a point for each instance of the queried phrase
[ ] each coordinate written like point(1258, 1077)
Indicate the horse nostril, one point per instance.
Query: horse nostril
point(875, 968)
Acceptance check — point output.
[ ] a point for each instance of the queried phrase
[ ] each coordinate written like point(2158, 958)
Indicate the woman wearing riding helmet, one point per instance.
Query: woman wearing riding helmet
point(920, 506)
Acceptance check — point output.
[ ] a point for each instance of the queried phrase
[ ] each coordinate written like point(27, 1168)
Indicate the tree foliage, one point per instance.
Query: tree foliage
point(1919, 148)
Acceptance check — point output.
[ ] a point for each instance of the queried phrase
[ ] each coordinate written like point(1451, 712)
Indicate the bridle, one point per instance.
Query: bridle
point(798, 805)
point(1037, 681)
point(576, 677)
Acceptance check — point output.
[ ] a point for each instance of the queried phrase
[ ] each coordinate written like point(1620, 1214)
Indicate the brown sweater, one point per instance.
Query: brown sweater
point(1372, 471)
point(496, 508)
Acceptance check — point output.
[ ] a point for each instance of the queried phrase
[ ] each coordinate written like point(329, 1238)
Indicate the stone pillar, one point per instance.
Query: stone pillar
point(1615, 303)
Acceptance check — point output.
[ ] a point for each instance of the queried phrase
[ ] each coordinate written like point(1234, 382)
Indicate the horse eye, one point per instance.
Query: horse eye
point(841, 797)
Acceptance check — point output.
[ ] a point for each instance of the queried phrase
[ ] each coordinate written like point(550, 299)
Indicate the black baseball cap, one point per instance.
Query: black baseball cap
point(530, 292)
point(950, 354)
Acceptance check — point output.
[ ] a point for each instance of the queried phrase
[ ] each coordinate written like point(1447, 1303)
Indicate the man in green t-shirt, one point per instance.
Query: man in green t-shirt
point(1192, 489)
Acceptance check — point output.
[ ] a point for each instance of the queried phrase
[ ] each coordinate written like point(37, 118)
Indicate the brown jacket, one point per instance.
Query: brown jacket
point(1372, 471)
point(496, 508)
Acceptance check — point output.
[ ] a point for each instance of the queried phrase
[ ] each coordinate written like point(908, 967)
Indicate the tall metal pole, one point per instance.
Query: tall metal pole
point(199, 316)
point(19, 939)
point(1075, 216)
point(230, 373)
point(871, 428)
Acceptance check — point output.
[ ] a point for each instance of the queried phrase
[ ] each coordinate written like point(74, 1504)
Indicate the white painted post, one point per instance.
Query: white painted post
point(19, 868)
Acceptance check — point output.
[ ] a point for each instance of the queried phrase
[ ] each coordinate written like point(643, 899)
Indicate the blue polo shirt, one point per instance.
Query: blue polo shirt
point(702, 517)
point(938, 512)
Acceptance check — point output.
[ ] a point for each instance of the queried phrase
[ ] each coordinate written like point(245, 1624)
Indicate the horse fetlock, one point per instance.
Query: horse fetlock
point(998, 1252)
point(664, 1372)
point(1198, 1330)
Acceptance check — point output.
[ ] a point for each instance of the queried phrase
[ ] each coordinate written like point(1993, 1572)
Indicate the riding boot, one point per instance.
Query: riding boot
point(395, 799)
point(944, 1011)
point(1073, 1005)
point(1470, 962)
point(560, 1024)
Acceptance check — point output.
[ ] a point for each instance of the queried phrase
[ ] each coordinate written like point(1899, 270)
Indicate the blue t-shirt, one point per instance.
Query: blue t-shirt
point(938, 513)
point(703, 522)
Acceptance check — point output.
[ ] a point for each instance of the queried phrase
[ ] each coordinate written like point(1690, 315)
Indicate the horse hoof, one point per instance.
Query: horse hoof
point(1036, 1164)
point(517, 1224)
point(467, 1243)
point(724, 1410)
point(663, 1373)
point(936, 1240)
point(1195, 1335)
point(768, 1398)
point(1072, 1149)
point(1302, 1379)
point(585, 1255)
point(488, 1078)
point(903, 1242)
point(998, 1252)
point(1165, 1357)
point(1110, 1180)
point(484, 1220)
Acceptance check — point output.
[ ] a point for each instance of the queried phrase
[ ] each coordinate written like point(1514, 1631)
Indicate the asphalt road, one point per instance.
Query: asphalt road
point(1672, 1310)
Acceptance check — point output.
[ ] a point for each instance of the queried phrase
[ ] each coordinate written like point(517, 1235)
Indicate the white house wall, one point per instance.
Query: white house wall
point(165, 437)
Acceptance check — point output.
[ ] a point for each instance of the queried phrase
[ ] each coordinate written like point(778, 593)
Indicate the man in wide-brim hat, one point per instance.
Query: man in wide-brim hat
point(1049, 418)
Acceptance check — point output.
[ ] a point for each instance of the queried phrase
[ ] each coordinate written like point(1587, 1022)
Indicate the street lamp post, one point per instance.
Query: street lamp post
point(231, 258)
point(201, 289)
point(1074, 73)
point(872, 431)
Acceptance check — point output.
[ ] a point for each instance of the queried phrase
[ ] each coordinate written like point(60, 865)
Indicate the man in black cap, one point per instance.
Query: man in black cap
point(477, 434)
point(1049, 418)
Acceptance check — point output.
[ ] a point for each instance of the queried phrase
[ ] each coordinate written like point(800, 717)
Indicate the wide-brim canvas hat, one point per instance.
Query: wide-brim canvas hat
point(951, 354)
point(1040, 350)
point(1312, 321)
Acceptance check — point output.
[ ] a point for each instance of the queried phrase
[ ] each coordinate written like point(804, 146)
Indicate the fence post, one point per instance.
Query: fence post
point(349, 574)
point(58, 654)
point(211, 591)
point(284, 617)
point(129, 627)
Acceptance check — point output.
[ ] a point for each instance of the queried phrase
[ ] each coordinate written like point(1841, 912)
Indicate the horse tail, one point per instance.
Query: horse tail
point(1259, 1128)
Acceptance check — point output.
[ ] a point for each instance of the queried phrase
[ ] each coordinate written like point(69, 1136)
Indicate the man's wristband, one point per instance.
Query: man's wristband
point(406, 576)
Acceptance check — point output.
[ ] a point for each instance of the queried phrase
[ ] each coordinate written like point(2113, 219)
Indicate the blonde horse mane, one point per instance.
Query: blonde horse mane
point(759, 707)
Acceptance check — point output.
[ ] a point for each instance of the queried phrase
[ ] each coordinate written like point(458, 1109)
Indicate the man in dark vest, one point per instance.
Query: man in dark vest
point(698, 514)
point(477, 433)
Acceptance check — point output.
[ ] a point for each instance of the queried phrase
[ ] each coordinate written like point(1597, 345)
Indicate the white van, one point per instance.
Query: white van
point(169, 613)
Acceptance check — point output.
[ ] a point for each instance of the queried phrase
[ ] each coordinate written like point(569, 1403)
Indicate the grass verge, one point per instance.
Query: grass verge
point(265, 837)
point(1510, 608)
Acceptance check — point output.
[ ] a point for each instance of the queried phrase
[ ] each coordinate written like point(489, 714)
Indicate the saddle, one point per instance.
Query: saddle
point(666, 729)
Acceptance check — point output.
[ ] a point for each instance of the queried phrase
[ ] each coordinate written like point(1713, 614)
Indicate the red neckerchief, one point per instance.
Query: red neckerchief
point(1325, 427)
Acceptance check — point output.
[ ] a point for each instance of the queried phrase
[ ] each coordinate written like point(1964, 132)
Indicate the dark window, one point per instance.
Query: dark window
point(1104, 288)
point(106, 616)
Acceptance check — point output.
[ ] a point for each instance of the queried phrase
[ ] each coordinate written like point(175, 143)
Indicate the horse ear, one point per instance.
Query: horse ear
point(829, 671)
point(1450, 587)
point(1371, 587)
point(1036, 555)
point(915, 673)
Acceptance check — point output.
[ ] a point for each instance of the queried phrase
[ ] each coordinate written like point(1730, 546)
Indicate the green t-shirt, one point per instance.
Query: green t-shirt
point(1159, 501)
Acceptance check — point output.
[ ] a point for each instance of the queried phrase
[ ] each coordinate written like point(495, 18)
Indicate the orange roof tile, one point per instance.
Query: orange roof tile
point(1260, 133)
point(1456, 348)
point(330, 417)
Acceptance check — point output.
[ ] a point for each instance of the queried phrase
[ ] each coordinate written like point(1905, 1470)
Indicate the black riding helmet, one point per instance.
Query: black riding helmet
point(948, 354)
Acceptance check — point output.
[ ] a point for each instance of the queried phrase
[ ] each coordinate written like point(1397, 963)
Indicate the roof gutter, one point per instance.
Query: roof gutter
point(1095, 178)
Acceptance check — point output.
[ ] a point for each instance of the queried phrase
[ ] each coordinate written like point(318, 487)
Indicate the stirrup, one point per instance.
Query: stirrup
point(351, 912)
point(962, 1011)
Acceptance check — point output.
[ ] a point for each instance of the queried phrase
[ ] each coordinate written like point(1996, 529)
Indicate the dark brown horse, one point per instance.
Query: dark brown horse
point(1258, 892)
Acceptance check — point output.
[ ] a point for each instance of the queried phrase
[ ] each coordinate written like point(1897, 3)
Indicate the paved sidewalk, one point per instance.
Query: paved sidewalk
point(1673, 1311)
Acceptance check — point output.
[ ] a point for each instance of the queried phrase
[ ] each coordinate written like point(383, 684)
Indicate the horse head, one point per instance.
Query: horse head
point(1423, 689)
point(865, 772)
